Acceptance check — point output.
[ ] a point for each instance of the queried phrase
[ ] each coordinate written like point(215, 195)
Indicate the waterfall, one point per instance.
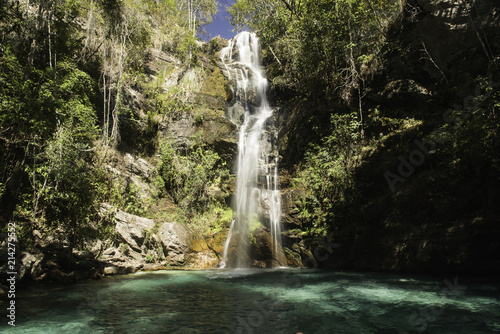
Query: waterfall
point(257, 197)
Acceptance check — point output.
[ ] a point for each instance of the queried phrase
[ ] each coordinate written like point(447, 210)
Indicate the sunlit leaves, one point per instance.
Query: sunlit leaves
point(188, 177)
point(315, 41)
point(326, 175)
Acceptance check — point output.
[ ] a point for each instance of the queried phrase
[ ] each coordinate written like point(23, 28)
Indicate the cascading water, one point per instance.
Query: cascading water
point(257, 196)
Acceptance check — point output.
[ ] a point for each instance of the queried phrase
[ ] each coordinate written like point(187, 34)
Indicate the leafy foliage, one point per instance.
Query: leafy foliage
point(471, 133)
point(318, 47)
point(63, 67)
point(190, 178)
point(327, 175)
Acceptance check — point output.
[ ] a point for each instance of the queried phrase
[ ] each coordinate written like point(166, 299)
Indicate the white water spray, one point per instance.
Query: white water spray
point(257, 193)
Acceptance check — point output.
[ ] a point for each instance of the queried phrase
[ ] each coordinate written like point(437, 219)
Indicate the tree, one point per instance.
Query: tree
point(199, 13)
point(48, 176)
point(320, 45)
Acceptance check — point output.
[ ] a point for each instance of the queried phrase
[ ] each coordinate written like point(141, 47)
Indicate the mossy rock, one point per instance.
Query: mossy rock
point(215, 84)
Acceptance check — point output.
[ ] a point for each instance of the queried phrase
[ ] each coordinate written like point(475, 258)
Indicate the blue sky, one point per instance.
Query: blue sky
point(220, 25)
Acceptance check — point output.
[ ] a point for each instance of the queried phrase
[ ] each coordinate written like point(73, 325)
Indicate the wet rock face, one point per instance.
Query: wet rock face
point(203, 259)
point(261, 250)
point(249, 93)
point(237, 254)
point(260, 244)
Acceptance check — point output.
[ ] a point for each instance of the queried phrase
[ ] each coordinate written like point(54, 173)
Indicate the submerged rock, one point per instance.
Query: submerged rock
point(117, 270)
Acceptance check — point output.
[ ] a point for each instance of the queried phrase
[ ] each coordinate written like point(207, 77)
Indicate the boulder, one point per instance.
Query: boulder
point(174, 239)
point(130, 228)
point(37, 268)
point(138, 166)
point(30, 265)
point(172, 245)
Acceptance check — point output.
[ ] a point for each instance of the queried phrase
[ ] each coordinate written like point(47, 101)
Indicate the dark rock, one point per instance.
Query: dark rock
point(58, 276)
point(134, 100)
point(37, 268)
point(289, 215)
point(209, 101)
point(158, 60)
point(236, 113)
point(217, 131)
point(293, 259)
point(221, 134)
point(451, 42)
point(215, 45)
point(262, 249)
point(180, 128)
point(56, 242)
point(238, 254)
point(30, 265)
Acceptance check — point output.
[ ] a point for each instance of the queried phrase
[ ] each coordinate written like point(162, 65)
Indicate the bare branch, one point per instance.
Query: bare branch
point(433, 62)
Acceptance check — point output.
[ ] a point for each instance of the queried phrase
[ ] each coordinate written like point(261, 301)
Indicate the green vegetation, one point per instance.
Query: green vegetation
point(84, 81)
point(65, 69)
point(327, 175)
point(215, 219)
point(214, 85)
point(150, 258)
point(358, 102)
point(194, 180)
point(317, 47)
point(474, 128)
point(49, 127)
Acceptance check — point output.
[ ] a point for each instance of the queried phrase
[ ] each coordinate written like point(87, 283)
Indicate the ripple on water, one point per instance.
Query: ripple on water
point(258, 301)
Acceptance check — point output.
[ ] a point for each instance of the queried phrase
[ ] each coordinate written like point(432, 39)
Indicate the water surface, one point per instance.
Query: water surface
point(260, 301)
